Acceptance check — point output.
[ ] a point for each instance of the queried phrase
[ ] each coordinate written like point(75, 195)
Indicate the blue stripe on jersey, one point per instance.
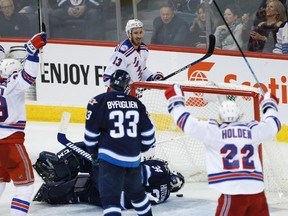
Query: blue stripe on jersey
point(106, 77)
point(27, 77)
point(182, 120)
point(144, 47)
point(232, 176)
point(119, 160)
point(33, 58)
point(277, 122)
point(129, 51)
point(20, 125)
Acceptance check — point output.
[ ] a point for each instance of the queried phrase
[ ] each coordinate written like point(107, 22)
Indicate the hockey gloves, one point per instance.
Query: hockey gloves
point(175, 96)
point(157, 76)
point(35, 43)
point(268, 101)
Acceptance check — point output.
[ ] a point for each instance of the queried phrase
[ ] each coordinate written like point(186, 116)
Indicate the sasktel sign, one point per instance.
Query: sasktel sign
point(277, 85)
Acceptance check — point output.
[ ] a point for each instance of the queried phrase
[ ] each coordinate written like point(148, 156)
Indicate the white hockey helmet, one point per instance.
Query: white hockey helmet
point(9, 66)
point(133, 23)
point(229, 111)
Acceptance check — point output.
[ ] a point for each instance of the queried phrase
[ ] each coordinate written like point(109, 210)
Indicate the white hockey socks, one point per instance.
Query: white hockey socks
point(21, 200)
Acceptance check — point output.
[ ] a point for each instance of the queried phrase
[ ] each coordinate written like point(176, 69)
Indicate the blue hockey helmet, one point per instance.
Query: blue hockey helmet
point(119, 80)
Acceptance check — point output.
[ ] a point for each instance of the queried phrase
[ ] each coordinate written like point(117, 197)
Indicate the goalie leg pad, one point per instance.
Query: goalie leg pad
point(55, 193)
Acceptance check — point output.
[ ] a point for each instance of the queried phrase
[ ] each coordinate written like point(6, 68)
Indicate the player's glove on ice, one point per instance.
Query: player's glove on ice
point(35, 43)
point(175, 96)
point(268, 101)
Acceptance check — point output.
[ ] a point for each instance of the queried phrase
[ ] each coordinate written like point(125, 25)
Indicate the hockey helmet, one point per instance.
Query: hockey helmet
point(119, 80)
point(9, 66)
point(133, 23)
point(177, 181)
point(17, 52)
point(229, 111)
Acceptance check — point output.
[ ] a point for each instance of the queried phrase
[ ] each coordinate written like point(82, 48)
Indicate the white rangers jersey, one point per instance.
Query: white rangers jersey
point(232, 159)
point(12, 97)
point(126, 57)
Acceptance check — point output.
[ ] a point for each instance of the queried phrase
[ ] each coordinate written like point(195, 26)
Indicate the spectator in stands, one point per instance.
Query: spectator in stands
point(263, 37)
point(77, 19)
point(21, 4)
point(198, 28)
point(224, 40)
point(184, 5)
point(12, 23)
point(261, 12)
point(169, 29)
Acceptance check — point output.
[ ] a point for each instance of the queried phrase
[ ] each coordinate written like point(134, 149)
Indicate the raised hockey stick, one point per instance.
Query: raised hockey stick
point(239, 48)
point(61, 137)
point(207, 55)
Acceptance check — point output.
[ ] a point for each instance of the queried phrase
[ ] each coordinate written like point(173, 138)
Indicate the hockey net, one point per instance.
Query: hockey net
point(187, 155)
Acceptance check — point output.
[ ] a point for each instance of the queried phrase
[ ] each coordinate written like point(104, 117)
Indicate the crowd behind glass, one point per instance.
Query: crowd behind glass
point(188, 23)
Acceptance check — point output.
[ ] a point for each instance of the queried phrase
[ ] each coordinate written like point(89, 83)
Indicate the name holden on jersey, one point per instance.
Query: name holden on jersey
point(72, 73)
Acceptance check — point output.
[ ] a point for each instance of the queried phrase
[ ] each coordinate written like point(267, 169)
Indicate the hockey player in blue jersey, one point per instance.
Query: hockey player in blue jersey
point(131, 55)
point(118, 129)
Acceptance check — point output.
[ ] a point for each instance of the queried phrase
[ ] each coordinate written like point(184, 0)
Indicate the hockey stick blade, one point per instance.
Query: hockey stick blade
point(207, 55)
point(61, 137)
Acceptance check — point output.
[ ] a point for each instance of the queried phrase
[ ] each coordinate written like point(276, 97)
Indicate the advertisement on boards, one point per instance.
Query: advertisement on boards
point(72, 74)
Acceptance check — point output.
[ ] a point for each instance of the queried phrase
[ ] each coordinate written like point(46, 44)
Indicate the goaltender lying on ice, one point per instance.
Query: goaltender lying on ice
point(69, 179)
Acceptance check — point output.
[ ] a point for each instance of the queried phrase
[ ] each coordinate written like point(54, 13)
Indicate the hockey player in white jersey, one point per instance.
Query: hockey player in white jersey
point(131, 55)
point(15, 164)
point(232, 160)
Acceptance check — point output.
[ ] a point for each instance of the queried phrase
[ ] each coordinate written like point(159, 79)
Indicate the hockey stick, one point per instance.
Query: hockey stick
point(237, 44)
point(61, 137)
point(207, 55)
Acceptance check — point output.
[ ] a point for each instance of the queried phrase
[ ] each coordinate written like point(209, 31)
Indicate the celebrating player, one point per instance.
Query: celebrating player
point(64, 185)
point(15, 164)
point(233, 164)
point(118, 129)
point(131, 56)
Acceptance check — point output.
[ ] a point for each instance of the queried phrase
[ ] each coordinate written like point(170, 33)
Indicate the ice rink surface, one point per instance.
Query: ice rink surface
point(197, 200)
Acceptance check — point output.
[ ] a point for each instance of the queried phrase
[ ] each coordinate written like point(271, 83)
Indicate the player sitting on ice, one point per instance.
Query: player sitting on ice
point(68, 179)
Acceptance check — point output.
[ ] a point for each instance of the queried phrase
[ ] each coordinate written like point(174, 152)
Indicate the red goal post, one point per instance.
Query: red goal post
point(184, 154)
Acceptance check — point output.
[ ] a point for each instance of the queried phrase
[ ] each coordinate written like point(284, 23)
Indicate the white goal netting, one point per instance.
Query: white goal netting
point(187, 155)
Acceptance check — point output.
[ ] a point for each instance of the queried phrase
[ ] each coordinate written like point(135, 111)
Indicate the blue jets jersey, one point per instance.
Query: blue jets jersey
point(119, 126)
point(156, 179)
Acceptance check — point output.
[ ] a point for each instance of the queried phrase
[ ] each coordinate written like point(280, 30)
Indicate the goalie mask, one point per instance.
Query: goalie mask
point(229, 111)
point(177, 181)
point(119, 80)
point(9, 66)
point(134, 23)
